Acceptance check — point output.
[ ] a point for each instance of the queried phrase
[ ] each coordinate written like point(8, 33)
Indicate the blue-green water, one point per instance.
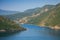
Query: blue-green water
point(34, 33)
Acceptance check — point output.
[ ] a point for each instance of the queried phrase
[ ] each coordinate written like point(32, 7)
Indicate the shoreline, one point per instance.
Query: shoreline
point(51, 27)
point(11, 31)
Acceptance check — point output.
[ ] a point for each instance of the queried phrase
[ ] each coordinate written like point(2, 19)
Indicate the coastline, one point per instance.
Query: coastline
point(52, 27)
point(12, 30)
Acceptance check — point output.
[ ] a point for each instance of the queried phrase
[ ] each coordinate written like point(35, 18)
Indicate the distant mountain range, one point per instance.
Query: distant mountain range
point(6, 12)
point(14, 15)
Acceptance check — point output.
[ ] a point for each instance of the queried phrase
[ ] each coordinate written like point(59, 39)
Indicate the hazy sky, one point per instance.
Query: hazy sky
point(21, 5)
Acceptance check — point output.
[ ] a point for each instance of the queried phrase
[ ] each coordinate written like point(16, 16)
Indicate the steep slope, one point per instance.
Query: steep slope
point(54, 17)
point(50, 18)
point(35, 14)
point(43, 14)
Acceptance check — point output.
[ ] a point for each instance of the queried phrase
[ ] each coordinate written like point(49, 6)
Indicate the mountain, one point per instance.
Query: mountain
point(42, 14)
point(53, 19)
point(47, 15)
point(29, 12)
point(20, 15)
point(8, 26)
point(6, 12)
point(49, 18)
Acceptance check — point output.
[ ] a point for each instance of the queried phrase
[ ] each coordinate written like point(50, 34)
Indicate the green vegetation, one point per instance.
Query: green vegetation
point(54, 18)
point(9, 26)
point(49, 18)
point(48, 15)
point(42, 16)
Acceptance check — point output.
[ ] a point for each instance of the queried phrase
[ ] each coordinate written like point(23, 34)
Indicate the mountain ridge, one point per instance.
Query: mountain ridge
point(43, 16)
point(49, 18)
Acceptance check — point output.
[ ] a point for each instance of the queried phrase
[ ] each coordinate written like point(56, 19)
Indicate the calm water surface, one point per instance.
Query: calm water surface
point(34, 32)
